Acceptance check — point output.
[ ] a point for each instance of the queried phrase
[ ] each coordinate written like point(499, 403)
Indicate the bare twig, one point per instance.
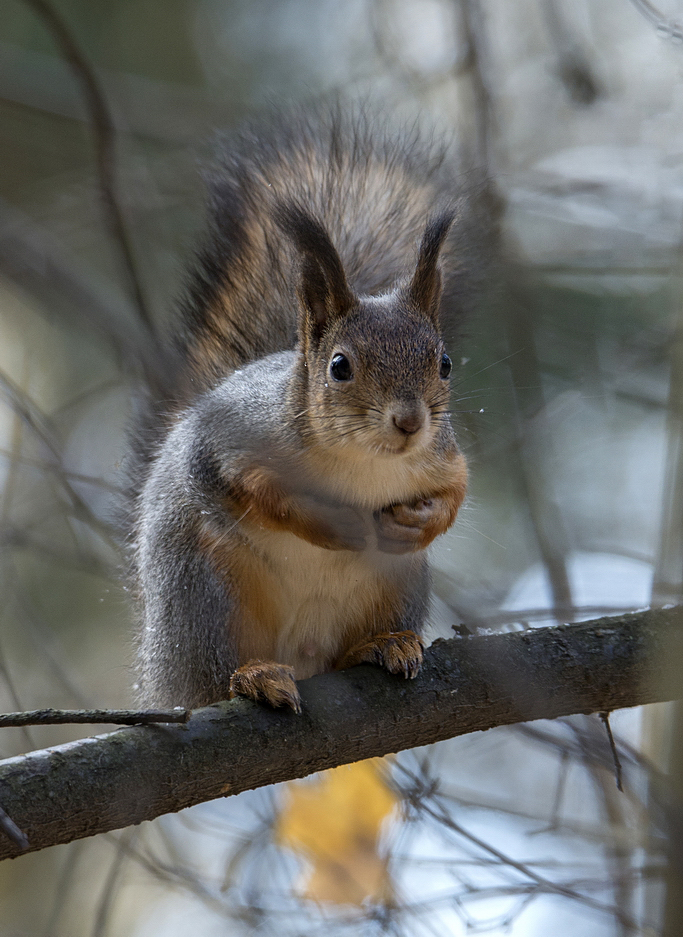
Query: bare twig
point(85, 479)
point(613, 747)
point(32, 416)
point(104, 135)
point(573, 66)
point(123, 717)
point(668, 28)
point(484, 112)
point(38, 263)
point(109, 889)
point(14, 694)
point(439, 813)
point(529, 402)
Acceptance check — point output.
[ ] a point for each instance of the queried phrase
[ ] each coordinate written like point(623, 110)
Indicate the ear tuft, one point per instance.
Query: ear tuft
point(323, 290)
point(425, 287)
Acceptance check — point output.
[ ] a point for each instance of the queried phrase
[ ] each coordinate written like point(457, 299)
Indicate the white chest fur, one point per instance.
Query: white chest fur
point(318, 597)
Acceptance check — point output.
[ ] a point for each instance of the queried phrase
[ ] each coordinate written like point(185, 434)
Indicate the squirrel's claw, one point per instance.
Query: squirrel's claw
point(265, 681)
point(399, 652)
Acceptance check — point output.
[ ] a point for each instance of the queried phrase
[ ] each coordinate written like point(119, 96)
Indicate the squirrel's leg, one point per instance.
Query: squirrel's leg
point(188, 657)
point(264, 681)
point(397, 647)
point(259, 496)
point(246, 579)
point(186, 649)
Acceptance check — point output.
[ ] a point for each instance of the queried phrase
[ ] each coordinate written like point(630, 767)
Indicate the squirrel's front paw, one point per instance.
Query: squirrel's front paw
point(396, 651)
point(264, 681)
point(405, 528)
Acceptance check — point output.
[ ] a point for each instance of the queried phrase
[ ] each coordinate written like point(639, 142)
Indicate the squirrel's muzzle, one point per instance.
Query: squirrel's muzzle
point(408, 417)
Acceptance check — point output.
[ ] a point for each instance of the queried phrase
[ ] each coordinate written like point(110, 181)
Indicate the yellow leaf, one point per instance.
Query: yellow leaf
point(335, 822)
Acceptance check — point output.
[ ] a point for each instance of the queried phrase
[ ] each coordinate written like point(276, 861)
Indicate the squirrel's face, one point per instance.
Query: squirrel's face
point(379, 379)
point(376, 371)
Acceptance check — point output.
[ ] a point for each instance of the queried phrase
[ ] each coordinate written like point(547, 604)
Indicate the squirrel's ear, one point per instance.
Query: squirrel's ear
point(323, 291)
point(424, 289)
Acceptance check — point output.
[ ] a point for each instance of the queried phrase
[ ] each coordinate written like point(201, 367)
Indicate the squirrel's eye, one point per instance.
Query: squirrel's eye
point(340, 368)
point(445, 367)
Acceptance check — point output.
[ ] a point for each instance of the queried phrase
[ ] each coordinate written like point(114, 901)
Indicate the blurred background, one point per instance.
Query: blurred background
point(567, 398)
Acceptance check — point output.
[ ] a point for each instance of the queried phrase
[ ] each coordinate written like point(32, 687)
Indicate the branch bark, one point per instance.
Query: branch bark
point(124, 717)
point(466, 685)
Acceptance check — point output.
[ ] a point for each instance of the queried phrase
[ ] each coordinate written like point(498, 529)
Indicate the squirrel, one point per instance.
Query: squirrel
point(285, 496)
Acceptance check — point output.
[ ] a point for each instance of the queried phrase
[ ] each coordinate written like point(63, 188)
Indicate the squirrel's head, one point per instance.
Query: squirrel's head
point(376, 372)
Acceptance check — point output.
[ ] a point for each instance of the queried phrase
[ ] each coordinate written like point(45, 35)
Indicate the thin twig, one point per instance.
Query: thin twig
point(33, 417)
point(104, 135)
point(35, 260)
point(613, 747)
point(669, 28)
point(90, 479)
point(484, 111)
point(8, 826)
point(124, 717)
point(14, 695)
point(439, 812)
point(65, 884)
point(573, 67)
point(112, 881)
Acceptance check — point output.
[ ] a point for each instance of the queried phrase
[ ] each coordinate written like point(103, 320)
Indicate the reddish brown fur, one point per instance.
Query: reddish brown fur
point(258, 494)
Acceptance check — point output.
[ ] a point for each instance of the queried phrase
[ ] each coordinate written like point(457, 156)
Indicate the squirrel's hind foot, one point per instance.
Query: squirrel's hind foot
point(399, 652)
point(265, 681)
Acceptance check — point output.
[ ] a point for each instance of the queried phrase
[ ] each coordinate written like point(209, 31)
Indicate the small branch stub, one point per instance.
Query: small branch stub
point(613, 749)
point(10, 829)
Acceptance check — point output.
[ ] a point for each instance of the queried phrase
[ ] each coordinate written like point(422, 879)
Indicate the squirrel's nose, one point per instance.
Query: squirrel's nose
point(408, 420)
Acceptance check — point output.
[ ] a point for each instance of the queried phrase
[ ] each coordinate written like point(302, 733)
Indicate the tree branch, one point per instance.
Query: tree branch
point(124, 717)
point(467, 684)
